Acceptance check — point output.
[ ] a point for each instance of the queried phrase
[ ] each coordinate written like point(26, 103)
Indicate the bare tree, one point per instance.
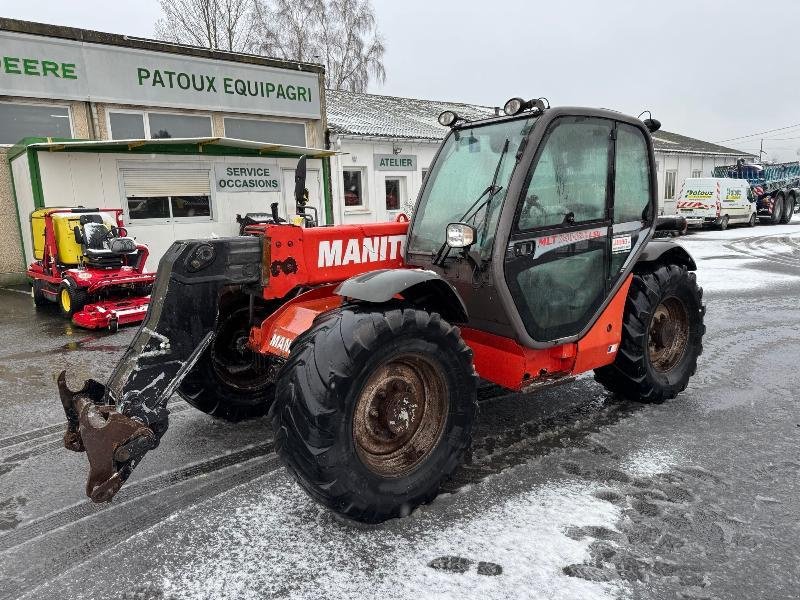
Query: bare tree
point(217, 24)
point(341, 34)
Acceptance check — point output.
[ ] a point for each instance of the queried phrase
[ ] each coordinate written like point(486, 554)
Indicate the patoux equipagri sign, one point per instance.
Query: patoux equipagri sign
point(71, 70)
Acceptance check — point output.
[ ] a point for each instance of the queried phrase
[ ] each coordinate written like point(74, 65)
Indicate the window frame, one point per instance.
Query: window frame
point(267, 120)
point(146, 118)
point(402, 195)
point(667, 173)
point(606, 219)
point(364, 207)
point(26, 102)
point(178, 166)
point(697, 173)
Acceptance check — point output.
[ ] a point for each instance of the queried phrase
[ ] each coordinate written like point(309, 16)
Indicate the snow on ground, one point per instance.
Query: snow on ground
point(269, 537)
point(731, 260)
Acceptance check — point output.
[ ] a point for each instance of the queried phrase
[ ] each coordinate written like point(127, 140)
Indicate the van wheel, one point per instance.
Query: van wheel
point(723, 224)
point(753, 220)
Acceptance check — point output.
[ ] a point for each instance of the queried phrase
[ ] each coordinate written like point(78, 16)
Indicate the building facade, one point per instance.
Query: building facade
point(388, 143)
point(68, 84)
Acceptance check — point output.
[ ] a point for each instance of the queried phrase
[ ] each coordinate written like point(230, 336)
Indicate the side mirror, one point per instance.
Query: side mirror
point(461, 235)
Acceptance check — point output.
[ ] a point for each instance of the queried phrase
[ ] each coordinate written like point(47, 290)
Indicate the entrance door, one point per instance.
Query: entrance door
point(314, 186)
point(566, 249)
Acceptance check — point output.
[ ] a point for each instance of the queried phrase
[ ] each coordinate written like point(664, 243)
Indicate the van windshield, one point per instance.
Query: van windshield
point(464, 168)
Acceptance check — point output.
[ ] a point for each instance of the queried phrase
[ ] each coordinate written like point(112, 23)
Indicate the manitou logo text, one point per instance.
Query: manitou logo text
point(280, 342)
point(336, 253)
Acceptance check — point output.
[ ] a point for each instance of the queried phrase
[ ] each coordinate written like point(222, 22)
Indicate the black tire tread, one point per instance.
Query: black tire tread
point(307, 412)
point(629, 375)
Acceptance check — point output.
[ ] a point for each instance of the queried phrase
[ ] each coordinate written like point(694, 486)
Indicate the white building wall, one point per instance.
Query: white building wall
point(684, 165)
point(93, 180)
point(360, 154)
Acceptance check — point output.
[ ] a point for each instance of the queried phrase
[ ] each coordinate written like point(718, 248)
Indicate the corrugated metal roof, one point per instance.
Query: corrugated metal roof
point(393, 117)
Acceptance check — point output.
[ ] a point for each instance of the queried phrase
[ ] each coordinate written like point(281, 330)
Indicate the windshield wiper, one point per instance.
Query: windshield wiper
point(492, 190)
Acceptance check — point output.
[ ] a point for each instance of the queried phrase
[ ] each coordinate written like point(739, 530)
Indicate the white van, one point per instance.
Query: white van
point(716, 201)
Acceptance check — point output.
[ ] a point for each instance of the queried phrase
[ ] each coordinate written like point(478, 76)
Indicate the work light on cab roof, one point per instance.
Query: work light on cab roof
point(517, 105)
point(449, 118)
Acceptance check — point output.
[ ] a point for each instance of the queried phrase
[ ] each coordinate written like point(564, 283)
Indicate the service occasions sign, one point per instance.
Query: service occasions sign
point(247, 177)
point(71, 70)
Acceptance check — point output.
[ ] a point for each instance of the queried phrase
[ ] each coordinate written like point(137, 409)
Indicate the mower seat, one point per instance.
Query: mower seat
point(100, 250)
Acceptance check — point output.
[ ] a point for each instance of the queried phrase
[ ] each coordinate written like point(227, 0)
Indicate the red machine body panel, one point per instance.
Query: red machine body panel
point(296, 256)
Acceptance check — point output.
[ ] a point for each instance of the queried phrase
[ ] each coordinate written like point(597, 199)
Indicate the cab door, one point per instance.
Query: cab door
point(568, 245)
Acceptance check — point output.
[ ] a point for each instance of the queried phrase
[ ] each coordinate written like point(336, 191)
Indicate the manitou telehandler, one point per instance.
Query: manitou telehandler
point(528, 259)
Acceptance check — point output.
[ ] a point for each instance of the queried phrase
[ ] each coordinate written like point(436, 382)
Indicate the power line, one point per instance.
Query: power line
point(741, 137)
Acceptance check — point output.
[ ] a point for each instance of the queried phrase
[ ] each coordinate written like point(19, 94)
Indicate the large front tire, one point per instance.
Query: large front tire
point(662, 336)
point(374, 409)
point(226, 382)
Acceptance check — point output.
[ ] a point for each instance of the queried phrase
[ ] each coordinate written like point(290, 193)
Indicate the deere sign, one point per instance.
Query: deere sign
point(71, 70)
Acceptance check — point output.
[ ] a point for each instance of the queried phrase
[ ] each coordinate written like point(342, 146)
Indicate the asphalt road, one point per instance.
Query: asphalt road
point(569, 493)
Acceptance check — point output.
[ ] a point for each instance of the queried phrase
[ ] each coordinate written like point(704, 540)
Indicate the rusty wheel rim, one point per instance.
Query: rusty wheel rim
point(669, 334)
point(399, 415)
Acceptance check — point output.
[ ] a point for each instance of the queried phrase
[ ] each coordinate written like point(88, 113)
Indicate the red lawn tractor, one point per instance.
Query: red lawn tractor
point(86, 264)
point(529, 259)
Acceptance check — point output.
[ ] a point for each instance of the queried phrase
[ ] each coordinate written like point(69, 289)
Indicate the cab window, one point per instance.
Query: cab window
point(632, 175)
point(569, 181)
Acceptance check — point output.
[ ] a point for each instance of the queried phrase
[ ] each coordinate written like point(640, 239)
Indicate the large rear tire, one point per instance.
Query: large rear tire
point(662, 336)
point(227, 382)
point(777, 210)
point(788, 210)
point(374, 409)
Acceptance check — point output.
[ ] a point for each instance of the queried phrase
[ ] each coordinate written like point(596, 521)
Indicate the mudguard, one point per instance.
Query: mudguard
point(423, 288)
point(666, 251)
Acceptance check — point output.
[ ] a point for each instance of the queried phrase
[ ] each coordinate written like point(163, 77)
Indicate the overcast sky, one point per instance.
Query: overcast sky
point(705, 68)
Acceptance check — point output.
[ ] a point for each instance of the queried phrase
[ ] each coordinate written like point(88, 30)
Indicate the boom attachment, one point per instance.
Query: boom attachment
point(118, 423)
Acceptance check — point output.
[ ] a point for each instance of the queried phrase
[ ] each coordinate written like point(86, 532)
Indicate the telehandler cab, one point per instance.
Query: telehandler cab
point(528, 259)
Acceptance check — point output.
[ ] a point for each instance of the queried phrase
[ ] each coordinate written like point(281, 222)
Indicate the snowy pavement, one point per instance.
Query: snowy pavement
point(569, 493)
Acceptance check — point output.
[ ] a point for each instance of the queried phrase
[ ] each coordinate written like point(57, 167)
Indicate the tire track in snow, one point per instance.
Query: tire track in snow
point(84, 541)
point(777, 248)
point(137, 490)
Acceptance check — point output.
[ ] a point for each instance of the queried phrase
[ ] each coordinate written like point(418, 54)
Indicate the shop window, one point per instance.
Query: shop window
point(669, 184)
point(167, 193)
point(18, 121)
point(167, 125)
point(148, 207)
point(697, 173)
point(190, 206)
point(126, 126)
point(394, 189)
point(269, 132)
point(353, 187)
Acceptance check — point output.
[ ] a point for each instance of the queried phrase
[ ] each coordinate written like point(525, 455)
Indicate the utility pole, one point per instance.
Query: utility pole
point(761, 151)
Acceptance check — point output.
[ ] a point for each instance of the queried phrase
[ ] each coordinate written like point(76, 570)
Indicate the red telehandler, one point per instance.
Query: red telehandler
point(529, 259)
